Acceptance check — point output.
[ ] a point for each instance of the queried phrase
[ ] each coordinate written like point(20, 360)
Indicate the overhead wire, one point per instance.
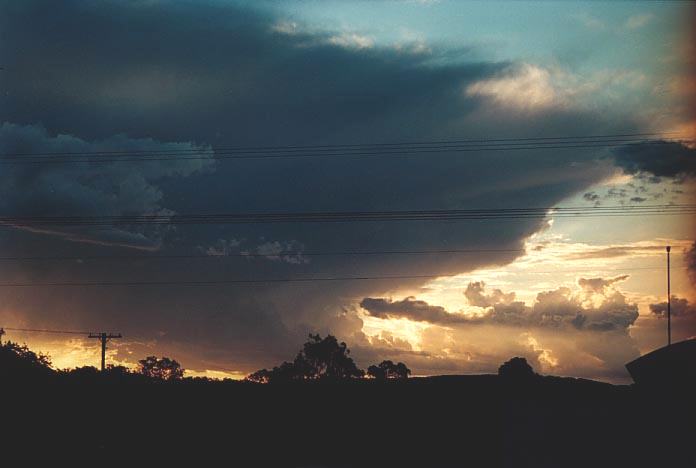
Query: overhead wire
point(252, 254)
point(604, 137)
point(132, 283)
point(329, 151)
point(353, 216)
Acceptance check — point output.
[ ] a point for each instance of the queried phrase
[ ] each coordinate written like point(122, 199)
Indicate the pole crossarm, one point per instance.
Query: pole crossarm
point(104, 337)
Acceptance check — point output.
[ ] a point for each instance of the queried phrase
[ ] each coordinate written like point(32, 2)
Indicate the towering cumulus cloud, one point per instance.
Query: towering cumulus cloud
point(561, 330)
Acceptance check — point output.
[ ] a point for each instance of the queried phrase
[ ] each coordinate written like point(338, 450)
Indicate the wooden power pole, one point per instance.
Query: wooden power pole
point(669, 303)
point(104, 337)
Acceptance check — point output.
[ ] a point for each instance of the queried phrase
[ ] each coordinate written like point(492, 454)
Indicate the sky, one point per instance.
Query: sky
point(575, 296)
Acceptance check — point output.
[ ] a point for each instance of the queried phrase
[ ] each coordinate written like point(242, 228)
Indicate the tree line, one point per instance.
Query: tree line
point(19, 361)
point(320, 359)
point(325, 359)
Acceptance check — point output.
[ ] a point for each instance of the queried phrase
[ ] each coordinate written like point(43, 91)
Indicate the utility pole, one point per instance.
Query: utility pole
point(104, 337)
point(669, 303)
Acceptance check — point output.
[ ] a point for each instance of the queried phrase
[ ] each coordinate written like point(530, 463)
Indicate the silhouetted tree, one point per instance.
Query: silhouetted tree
point(118, 372)
point(161, 369)
point(16, 360)
point(326, 359)
point(319, 359)
point(388, 370)
point(82, 373)
point(260, 376)
point(516, 368)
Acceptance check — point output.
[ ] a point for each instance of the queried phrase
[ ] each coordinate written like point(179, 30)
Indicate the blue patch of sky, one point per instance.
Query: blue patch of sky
point(581, 36)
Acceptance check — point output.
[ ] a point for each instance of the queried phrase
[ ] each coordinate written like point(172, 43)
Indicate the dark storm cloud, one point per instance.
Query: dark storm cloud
point(410, 308)
point(668, 159)
point(115, 188)
point(153, 75)
point(183, 71)
point(690, 256)
point(680, 307)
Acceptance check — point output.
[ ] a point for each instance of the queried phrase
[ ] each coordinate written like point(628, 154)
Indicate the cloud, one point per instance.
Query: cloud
point(561, 308)
point(599, 285)
point(476, 297)
point(528, 87)
point(277, 251)
point(680, 307)
point(111, 189)
point(410, 308)
point(633, 22)
point(217, 75)
point(558, 309)
point(559, 333)
point(668, 159)
point(690, 257)
point(222, 248)
point(589, 21)
point(638, 21)
point(289, 251)
point(352, 41)
point(591, 196)
point(617, 251)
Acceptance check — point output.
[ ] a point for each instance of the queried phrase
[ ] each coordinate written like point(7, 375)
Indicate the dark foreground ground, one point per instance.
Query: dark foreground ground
point(476, 421)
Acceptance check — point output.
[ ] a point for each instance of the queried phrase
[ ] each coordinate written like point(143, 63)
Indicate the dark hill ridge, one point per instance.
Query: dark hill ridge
point(441, 421)
point(514, 419)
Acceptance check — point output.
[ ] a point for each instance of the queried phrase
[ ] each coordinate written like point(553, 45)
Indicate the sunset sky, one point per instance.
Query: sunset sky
point(576, 296)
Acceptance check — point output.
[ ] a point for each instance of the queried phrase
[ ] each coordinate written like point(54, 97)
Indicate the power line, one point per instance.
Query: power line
point(218, 282)
point(43, 330)
point(253, 255)
point(326, 155)
point(569, 138)
point(215, 256)
point(266, 280)
point(37, 158)
point(354, 216)
point(358, 149)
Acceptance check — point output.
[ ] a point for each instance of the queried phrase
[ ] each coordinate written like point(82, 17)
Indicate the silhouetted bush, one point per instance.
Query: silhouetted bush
point(388, 370)
point(516, 369)
point(82, 373)
point(19, 361)
point(118, 371)
point(160, 369)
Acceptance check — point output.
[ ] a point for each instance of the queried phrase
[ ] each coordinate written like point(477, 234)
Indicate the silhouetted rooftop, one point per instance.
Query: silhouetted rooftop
point(668, 366)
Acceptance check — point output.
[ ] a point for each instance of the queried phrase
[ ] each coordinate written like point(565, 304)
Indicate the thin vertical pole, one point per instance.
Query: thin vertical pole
point(669, 303)
point(103, 351)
